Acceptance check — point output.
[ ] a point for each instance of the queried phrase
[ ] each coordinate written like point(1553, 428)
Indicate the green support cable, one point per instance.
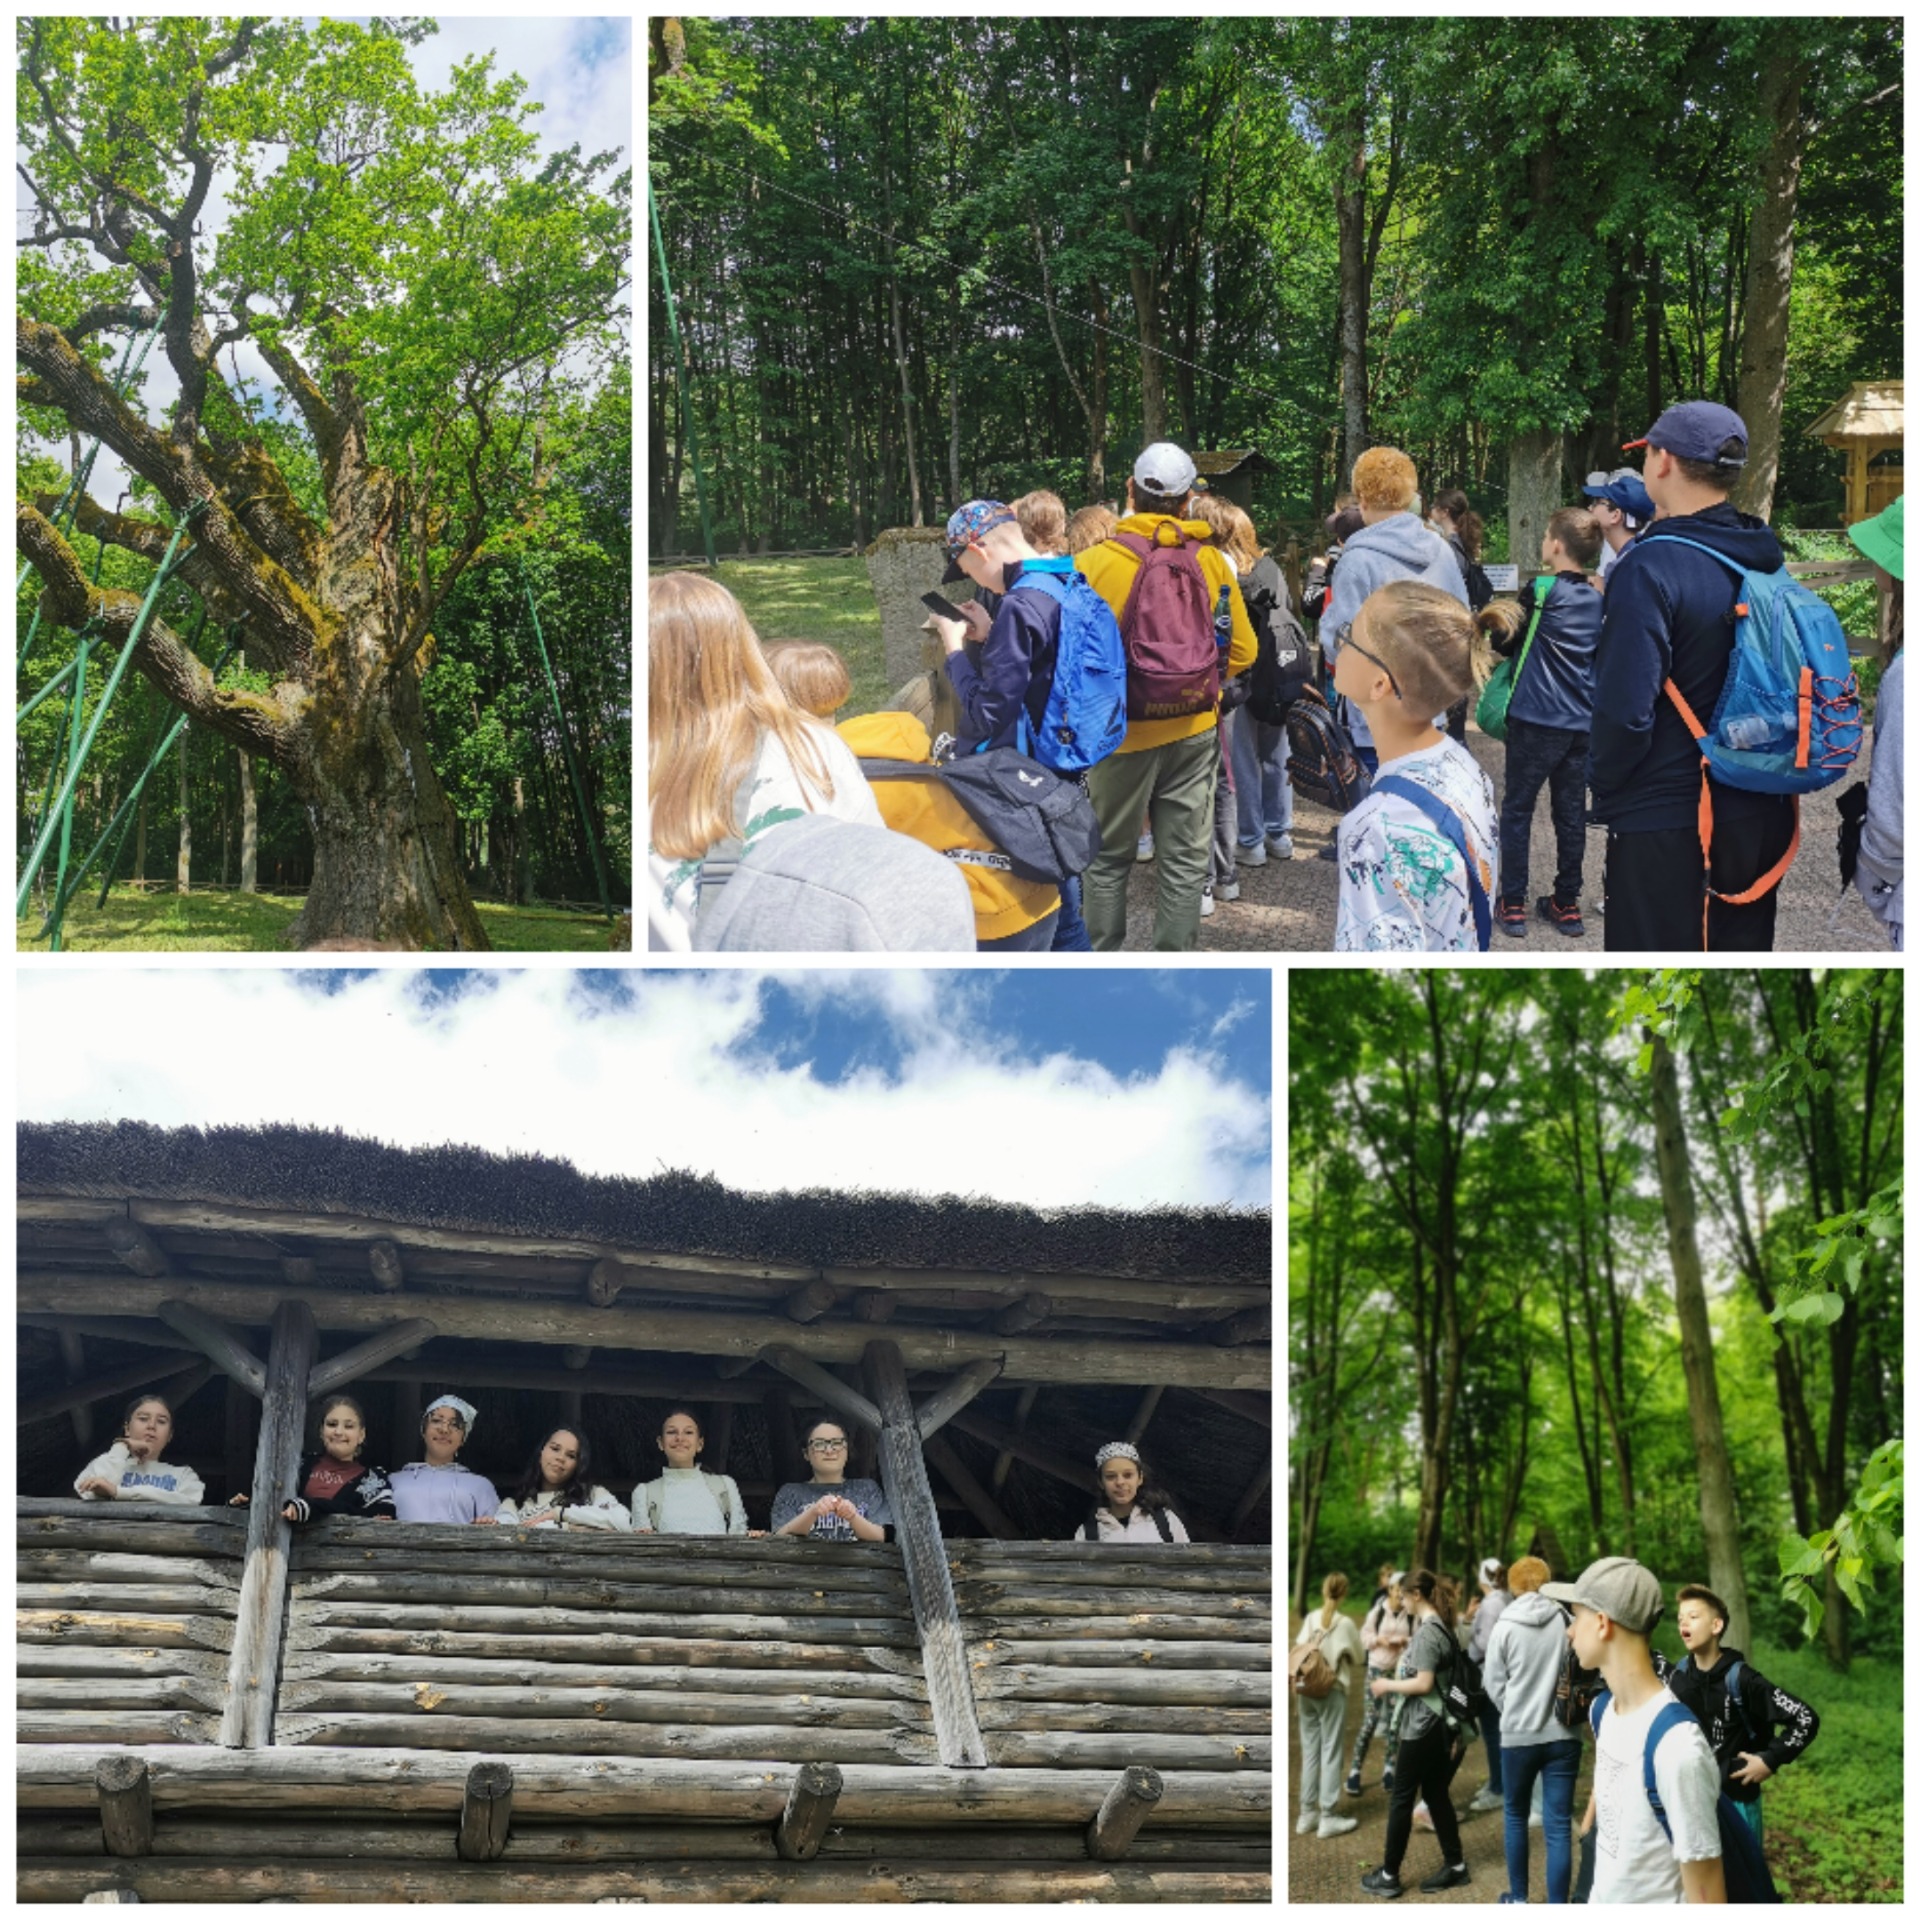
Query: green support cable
point(680, 368)
point(50, 825)
point(566, 747)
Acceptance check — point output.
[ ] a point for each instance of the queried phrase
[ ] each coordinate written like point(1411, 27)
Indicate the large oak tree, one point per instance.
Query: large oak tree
point(422, 288)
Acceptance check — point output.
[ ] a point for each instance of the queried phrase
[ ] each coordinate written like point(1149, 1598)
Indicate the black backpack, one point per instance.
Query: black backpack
point(1044, 825)
point(1321, 761)
point(1576, 1689)
point(1283, 664)
point(1461, 1698)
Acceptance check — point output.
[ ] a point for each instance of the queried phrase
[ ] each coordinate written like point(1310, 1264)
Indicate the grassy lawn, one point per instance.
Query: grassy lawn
point(136, 922)
point(825, 600)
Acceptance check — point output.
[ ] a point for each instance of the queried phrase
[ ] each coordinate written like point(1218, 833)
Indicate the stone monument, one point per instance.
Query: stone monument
point(902, 564)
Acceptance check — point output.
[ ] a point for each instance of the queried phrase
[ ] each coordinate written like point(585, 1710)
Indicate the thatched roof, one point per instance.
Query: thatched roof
point(323, 1171)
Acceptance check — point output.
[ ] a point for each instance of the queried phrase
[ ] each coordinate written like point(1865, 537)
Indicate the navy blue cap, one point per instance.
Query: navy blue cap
point(1696, 430)
point(1627, 492)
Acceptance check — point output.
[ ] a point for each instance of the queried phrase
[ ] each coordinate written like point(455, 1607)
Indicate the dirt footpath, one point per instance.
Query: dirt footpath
point(1330, 1870)
point(1288, 907)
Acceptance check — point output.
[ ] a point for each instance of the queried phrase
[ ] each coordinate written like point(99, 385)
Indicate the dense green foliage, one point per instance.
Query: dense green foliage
point(1482, 1318)
point(917, 259)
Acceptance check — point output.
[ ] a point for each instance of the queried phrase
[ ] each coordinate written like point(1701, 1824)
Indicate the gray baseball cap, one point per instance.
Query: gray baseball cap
point(1625, 1591)
point(1165, 471)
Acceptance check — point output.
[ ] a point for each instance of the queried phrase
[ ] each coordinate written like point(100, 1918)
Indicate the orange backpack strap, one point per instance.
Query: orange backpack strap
point(1774, 874)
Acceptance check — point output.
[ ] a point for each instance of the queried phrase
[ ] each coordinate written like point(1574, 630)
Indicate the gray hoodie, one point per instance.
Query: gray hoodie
point(1400, 547)
point(1524, 1653)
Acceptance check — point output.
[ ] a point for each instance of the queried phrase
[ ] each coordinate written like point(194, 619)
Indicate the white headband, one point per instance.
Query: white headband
point(466, 1412)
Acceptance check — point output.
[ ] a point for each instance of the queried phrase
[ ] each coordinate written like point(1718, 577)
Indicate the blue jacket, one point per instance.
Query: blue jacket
point(1016, 663)
point(1668, 611)
point(1556, 690)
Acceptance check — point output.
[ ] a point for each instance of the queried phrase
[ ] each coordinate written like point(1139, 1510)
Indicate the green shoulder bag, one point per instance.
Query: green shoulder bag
point(1497, 695)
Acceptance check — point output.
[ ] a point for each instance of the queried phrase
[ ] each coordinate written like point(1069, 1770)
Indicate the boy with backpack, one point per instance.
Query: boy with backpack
point(1166, 585)
point(1656, 1787)
point(1737, 1707)
point(1051, 678)
point(1549, 633)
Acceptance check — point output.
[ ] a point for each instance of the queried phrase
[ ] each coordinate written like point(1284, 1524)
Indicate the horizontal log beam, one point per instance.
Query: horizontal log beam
point(1086, 1362)
point(775, 1677)
point(460, 1881)
point(460, 1617)
point(137, 1250)
point(404, 1779)
point(1142, 1685)
point(1028, 1311)
point(103, 1627)
point(671, 1703)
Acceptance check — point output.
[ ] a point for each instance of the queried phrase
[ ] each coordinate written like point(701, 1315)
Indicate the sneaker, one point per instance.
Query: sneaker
point(1206, 900)
point(1144, 851)
point(1486, 1800)
point(1330, 851)
point(1226, 890)
point(1561, 919)
point(1448, 1877)
point(1385, 1884)
point(1307, 1822)
point(1511, 918)
point(1386, 1781)
point(1280, 845)
point(1253, 856)
point(1353, 1783)
point(1334, 1825)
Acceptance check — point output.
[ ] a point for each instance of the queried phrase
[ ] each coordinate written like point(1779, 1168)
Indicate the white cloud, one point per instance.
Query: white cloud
point(666, 1070)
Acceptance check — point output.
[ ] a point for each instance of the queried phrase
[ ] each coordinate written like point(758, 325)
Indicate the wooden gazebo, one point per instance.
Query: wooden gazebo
point(1868, 425)
point(215, 1707)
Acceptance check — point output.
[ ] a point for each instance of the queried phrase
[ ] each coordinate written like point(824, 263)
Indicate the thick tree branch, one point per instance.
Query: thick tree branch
point(256, 722)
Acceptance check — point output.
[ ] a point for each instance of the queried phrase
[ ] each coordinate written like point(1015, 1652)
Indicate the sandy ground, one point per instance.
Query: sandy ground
point(1289, 907)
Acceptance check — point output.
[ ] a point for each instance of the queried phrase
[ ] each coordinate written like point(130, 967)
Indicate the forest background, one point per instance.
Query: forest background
point(918, 260)
point(1612, 1262)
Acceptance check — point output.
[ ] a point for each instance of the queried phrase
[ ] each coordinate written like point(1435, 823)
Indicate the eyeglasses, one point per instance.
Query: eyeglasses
point(1344, 639)
point(828, 1446)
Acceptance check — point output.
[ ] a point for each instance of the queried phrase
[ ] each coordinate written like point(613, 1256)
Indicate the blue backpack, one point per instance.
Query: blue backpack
point(1788, 718)
point(1086, 711)
point(1448, 823)
point(1741, 1858)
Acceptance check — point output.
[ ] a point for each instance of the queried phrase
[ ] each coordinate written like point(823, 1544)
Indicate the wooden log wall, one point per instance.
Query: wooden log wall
point(518, 1640)
point(1089, 1655)
point(125, 1620)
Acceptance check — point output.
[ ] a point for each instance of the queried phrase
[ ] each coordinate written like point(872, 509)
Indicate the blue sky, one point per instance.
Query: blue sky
point(1124, 1087)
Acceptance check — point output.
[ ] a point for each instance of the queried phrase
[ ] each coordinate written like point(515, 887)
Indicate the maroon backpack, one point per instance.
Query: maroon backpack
point(1166, 627)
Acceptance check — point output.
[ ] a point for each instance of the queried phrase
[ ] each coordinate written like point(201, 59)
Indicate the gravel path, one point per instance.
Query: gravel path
point(1289, 908)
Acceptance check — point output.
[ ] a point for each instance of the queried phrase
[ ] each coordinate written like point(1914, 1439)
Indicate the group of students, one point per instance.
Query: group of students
point(1146, 659)
point(1681, 1748)
point(557, 1488)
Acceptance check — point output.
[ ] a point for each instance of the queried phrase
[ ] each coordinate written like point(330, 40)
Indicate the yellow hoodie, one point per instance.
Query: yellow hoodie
point(925, 810)
point(1109, 568)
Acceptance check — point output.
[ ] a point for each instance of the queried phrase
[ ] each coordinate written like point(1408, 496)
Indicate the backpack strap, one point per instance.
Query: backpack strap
point(1669, 1717)
point(1165, 1525)
point(1735, 1674)
point(1449, 824)
point(1601, 1701)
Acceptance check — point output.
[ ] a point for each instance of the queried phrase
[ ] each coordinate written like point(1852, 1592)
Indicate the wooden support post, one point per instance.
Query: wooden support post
point(136, 1249)
point(1003, 1460)
point(874, 1305)
point(1135, 1795)
point(806, 1304)
point(1255, 1493)
point(977, 1500)
point(109, 1386)
point(227, 1353)
point(836, 1393)
point(1144, 1412)
point(73, 1357)
point(125, 1791)
point(486, 1813)
point(1243, 1329)
point(604, 1281)
point(719, 1432)
point(937, 1409)
point(936, 1615)
point(1028, 1311)
point(781, 1438)
point(402, 1337)
point(389, 1270)
point(809, 1810)
point(252, 1677)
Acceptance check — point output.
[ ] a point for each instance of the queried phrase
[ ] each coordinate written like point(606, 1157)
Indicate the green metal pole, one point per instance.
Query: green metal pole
point(120, 666)
point(680, 368)
point(566, 747)
point(66, 810)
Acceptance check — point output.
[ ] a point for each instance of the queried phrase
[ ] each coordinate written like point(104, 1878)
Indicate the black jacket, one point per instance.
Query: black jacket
point(1669, 612)
point(1556, 690)
point(1763, 1708)
point(368, 1493)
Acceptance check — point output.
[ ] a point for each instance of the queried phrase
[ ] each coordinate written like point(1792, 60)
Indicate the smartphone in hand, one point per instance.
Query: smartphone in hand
point(940, 604)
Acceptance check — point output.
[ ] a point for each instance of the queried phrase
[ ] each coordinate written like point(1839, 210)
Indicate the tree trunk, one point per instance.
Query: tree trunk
point(1719, 1521)
point(1763, 352)
point(1350, 207)
point(1153, 386)
point(1534, 491)
point(386, 869)
point(249, 828)
point(183, 866)
point(906, 387)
